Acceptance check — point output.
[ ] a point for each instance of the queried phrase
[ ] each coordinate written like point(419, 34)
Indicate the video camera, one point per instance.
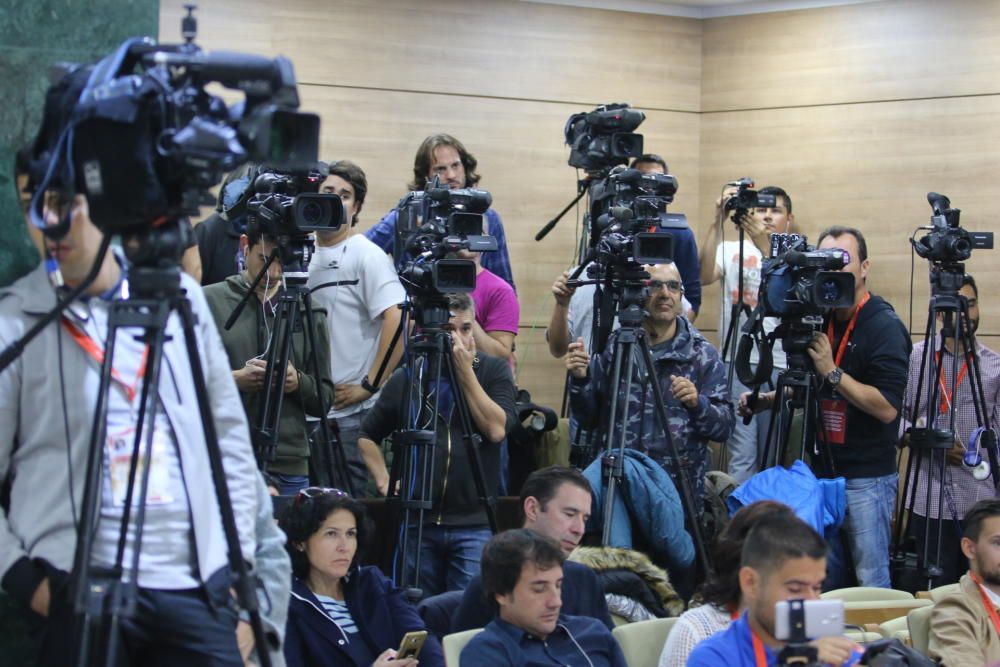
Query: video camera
point(433, 224)
point(947, 242)
point(746, 198)
point(604, 137)
point(138, 134)
point(799, 280)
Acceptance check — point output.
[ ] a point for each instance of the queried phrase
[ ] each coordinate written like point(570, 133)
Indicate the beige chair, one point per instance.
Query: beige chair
point(454, 643)
point(919, 622)
point(879, 611)
point(937, 594)
point(895, 628)
point(642, 642)
point(864, 593)
point(863, 638)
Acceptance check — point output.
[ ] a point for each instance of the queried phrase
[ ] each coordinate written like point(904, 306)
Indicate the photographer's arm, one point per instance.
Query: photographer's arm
point(391, 317)
point(864, 397)
point(586, 380)
point(707, 249)
point(381, 420)
point(489, 417)
point(558, 334)
point(494, 343)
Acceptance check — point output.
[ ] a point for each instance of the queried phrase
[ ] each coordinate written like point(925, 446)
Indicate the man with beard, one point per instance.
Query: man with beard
point(782, 559)
point(965, 626)
point(690, 375)
point(962, 489)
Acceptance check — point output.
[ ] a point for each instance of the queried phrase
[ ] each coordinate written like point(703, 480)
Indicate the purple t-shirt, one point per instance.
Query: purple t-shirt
point(496, 303)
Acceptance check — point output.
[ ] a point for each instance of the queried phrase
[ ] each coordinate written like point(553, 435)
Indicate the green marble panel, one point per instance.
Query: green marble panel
point(34, 35)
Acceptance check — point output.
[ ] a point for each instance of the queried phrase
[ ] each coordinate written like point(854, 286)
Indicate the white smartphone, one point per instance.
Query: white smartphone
point(808, 619)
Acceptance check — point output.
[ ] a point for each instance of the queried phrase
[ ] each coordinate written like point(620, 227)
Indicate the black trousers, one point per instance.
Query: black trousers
point(193, 627)
point(952, 562)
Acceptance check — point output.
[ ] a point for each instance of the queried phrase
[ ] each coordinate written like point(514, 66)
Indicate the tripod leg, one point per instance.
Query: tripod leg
point(613, 464)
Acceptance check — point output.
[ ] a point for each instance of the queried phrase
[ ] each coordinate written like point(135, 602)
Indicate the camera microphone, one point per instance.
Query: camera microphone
point(938, 202)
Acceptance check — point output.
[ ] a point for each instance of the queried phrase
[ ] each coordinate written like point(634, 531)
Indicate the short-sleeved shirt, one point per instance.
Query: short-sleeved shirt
point(497, 308)
point(355, 282)
point(727, 260)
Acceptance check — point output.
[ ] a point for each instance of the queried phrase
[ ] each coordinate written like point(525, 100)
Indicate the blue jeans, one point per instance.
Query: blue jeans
point(870, 502)
point(746, 444)
point(290, 485)
point(449, 557)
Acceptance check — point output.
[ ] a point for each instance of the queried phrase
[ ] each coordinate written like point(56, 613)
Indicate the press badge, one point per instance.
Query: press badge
point(120, 458)
point(834, 415)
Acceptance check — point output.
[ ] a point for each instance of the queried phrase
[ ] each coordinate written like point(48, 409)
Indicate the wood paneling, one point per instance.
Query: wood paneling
point(870, 166)
point(900, 49)
point(496, 48)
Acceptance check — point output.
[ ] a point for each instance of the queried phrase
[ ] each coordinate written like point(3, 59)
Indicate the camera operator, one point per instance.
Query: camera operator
point(963, 490)
point(357, 285)
point(783, 558)
point(247, 343)
point(455, 529)
point(47, 399)
point(687, 369)
point(720, 261)
point(218, 235)
point(862, 359)
point(444, 156)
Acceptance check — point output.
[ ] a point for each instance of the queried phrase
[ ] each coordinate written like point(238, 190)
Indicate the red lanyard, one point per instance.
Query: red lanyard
point(87, 344)
point(847, 334)
point(759, 656)
point(990, 609)
point(945, 396)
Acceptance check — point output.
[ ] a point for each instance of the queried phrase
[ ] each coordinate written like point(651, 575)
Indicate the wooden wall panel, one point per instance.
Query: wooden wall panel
point(870, 166)
point(898, 49)
point(495, 48)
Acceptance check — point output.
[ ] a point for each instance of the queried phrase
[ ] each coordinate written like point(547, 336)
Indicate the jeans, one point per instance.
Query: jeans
point(290, 485)
point(350, 431)
point(870, 503)
point(746, 444)
point(449, 557)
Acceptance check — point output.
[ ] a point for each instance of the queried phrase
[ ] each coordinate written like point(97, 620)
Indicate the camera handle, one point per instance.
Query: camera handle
point(550, 225)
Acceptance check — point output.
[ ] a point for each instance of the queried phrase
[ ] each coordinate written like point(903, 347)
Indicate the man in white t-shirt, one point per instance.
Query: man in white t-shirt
point(720, 260)
point(355, 281)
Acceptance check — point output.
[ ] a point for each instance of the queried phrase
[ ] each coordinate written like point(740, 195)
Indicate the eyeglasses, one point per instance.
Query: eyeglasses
point(315, 492)
point(674, 286)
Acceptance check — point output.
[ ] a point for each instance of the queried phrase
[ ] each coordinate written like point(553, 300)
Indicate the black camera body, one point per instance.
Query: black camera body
point(801, 281)
point(746, 198)
point(604, 137)
point(433, 224)
point(947, 242)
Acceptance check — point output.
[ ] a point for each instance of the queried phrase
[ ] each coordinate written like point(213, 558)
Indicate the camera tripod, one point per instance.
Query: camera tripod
point(411, 479)
point(629, 343)
point(929, 444)
point(102, 597)
point(293, 313)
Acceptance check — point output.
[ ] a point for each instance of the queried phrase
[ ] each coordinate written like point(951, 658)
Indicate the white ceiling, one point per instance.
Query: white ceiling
point(701, 9)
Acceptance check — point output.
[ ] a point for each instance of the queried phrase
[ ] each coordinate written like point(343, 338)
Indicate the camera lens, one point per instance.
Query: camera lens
point(312, 213)
point(829, 292)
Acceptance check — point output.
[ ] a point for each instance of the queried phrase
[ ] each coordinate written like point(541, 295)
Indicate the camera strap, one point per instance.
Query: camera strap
point(842, 348)
point(987, 603)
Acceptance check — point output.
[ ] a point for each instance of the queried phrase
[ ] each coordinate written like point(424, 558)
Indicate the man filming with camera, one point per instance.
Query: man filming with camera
point(862, 357)
point(689, 372)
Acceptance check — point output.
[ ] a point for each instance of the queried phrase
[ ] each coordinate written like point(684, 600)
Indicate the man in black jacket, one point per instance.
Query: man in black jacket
point(556, 503)
point(455, 528)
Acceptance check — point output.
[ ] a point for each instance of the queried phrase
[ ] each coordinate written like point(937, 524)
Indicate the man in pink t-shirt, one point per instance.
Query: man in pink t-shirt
point(497, 313)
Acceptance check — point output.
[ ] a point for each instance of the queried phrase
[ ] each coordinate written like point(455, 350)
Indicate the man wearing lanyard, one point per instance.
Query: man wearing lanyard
point(783, 559)
point(965, 625)
point(962, 488)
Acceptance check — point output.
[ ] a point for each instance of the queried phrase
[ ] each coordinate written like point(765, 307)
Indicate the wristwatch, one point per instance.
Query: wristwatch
point(368, 386)
point(833, 377)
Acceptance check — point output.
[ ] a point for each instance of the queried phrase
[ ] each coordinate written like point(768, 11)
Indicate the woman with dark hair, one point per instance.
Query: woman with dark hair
point(721, 600)
point(342, 614)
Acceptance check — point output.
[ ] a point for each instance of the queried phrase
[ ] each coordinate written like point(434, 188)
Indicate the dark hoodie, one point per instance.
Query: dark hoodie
point(247, 339)
point(877, 354)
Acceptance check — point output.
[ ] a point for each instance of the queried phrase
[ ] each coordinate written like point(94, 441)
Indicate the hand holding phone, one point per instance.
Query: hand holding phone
point(411, 644)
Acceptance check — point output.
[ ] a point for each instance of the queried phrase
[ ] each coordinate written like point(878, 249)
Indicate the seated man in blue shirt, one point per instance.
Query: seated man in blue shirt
point(782, 559)
point(522, 575)
point(555, 502)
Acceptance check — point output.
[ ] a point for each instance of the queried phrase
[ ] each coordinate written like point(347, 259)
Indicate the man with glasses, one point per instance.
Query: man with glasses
point(691, 378)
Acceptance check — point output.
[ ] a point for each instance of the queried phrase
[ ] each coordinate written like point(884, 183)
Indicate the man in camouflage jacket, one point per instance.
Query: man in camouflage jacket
point(691, 378)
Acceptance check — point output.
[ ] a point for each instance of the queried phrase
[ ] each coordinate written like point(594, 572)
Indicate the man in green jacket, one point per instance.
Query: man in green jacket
point(247, 343)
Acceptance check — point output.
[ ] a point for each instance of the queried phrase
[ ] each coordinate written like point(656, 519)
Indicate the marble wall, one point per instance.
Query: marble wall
point(34, 35)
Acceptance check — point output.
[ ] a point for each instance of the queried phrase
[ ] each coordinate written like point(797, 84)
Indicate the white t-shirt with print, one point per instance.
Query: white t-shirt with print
point(727, 260)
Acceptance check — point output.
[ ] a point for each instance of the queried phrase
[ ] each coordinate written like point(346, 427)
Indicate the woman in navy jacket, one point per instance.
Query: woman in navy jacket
point(341, 614)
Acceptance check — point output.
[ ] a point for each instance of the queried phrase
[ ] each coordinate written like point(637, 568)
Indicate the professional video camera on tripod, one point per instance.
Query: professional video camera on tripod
point(287, 208)
point(799, 285)
point(141, 140)
point(432, 226)
point(947, 246)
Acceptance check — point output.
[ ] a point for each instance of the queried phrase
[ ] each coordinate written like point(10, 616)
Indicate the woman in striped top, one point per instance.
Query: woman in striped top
point(342, 614)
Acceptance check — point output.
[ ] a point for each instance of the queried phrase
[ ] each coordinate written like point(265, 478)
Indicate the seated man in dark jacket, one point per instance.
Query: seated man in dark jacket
point(455, 528)
point(556, 503)
point(247, 343)
point(523, 576)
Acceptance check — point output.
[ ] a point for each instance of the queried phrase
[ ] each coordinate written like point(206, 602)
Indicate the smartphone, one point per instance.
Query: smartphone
point(803, 620)
point(411, 645)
